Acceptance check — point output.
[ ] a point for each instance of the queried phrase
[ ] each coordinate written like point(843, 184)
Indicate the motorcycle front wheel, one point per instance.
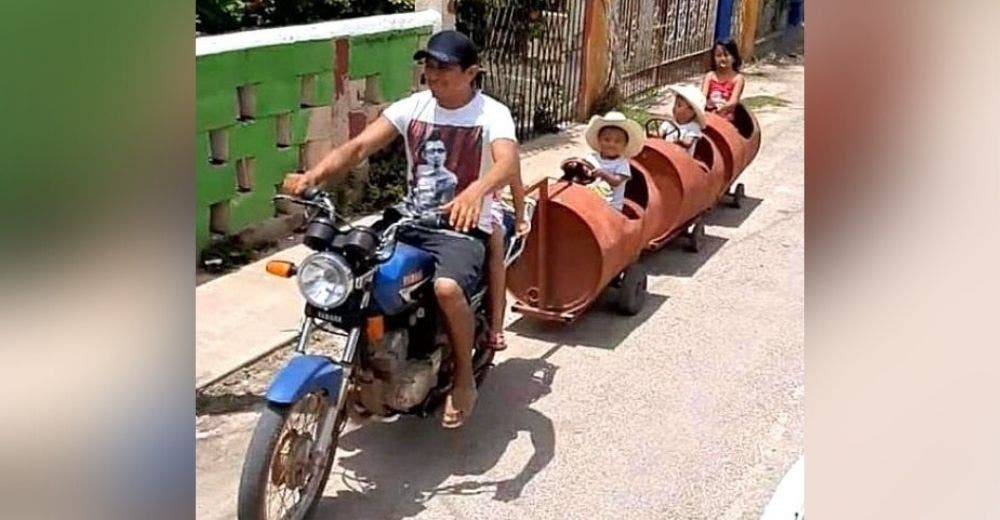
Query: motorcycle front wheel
point(289, 459)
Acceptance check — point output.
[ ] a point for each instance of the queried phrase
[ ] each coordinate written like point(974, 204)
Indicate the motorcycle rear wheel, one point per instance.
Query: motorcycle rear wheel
point(283, 462)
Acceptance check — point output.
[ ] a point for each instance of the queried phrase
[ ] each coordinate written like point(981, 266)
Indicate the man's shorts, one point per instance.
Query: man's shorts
point(458, 258)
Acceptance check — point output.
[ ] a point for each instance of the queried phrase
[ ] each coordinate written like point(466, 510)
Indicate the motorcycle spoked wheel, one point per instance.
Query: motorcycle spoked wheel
point(287, 465)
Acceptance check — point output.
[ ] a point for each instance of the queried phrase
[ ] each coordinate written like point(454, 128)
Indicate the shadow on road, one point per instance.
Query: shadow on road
point(728, 216)
point(601, 326)
point(675, 260)
point(226, 403)
point(393, 469)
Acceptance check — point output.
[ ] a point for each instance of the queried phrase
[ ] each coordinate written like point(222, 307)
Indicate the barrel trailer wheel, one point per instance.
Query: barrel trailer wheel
point(632, 290)
point(695, 236)
point(738, 194)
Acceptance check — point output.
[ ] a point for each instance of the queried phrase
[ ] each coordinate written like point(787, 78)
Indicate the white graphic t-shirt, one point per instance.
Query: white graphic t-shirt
point(446, 150)
point(674, 132)
point(615, 195)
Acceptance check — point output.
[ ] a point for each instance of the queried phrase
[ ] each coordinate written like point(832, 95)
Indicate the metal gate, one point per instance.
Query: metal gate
point(736, 22)
point(654, 33)
point(532, 51)
point(772, 18)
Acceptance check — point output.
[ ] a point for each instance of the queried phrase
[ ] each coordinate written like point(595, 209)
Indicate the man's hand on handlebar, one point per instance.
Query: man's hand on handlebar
point(296, 183)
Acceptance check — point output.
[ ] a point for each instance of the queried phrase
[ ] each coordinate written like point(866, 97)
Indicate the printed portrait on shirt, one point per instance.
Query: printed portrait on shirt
point(446, 159)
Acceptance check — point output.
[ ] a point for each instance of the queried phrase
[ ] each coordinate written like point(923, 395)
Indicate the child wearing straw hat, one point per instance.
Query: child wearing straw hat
point(614, 140)
point(689, 117)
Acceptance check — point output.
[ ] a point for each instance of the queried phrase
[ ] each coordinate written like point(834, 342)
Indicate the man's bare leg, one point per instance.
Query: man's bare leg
point(460, 324)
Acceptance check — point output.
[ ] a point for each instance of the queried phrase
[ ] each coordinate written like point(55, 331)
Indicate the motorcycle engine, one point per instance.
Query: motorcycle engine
point(392, 380)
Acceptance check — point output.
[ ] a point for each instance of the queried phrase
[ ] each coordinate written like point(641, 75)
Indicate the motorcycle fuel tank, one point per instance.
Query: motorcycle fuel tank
point(407, 267)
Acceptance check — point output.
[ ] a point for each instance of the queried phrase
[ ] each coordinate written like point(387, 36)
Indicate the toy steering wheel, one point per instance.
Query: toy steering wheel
point(577, 170)
point(653, 129)
point(653, 126)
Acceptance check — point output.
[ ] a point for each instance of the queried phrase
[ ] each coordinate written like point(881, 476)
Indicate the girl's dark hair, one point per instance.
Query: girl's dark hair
point(732, 49)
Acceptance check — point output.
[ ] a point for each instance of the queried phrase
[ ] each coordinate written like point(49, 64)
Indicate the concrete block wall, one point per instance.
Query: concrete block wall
point(274, 101)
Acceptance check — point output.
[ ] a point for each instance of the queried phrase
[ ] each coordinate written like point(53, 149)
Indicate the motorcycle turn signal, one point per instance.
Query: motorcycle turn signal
point(282, 268)
point(375, 328)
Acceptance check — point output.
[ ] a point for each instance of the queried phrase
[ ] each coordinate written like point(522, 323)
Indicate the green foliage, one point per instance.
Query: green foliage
point(222, 16)
point(613, 100)
point(637, 114)
point(474, 18)
point(386, 180)
point(756, 102)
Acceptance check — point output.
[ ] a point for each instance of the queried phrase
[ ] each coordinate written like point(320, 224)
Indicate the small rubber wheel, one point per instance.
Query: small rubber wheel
point(632, 295)
point(739, 193)
point(695, 237)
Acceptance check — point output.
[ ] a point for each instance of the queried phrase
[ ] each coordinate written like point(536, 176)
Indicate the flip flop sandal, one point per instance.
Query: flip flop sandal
point(454, 416)
point(498, 342)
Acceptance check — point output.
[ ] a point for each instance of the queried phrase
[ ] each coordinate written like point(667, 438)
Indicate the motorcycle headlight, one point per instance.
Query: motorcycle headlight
point(325, 280)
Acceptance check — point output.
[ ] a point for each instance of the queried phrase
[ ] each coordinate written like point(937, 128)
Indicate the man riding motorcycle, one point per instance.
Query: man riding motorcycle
point(474, 136)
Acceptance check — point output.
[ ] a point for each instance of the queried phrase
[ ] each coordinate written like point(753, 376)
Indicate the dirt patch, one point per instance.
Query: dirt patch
point(245, 388)
point(227, 255)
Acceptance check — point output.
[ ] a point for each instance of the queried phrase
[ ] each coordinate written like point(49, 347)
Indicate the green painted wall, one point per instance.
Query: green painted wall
point(388, 56)
point(275, 74)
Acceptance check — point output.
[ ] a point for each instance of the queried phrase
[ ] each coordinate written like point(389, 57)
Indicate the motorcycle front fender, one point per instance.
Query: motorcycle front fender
point(303, 374)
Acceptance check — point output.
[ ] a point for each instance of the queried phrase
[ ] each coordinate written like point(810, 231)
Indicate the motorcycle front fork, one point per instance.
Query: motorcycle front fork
point(346, 360)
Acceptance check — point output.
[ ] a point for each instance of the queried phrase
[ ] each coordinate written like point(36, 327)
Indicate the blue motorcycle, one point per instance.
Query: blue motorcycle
point(363, 284)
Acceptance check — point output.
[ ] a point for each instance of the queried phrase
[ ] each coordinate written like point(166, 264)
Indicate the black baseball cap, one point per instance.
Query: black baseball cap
point(450, 47)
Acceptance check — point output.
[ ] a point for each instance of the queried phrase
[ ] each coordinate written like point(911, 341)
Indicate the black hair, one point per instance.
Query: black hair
point(433, 136)
point(477, 82)
point(622, 130)
point(469, 61)
point(472, 58)
point(733, 51)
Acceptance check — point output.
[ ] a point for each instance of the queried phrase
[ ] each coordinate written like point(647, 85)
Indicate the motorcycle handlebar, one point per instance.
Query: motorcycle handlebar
point(311, 193)
point(312, 197)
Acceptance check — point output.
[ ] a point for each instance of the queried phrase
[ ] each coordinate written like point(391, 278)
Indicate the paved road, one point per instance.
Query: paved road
point(692, 410)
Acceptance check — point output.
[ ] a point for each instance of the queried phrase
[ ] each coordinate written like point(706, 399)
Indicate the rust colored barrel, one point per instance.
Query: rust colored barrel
point(738, 141)
point(672, 186)
point(578, 244)
point(708, 154)
point(749, 129)
point(731, 145)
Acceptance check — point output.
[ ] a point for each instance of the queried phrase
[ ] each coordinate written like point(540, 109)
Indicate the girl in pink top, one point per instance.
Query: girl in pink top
point(723, 85)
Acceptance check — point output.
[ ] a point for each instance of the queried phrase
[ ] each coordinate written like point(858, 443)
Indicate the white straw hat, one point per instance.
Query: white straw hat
point(694, 97)
point(636, 136)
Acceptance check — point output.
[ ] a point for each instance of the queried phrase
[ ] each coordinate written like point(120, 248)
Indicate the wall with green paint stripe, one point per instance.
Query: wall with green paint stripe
point(258, 107)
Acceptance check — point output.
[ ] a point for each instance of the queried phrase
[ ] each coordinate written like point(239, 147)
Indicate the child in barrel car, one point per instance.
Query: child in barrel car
point(613, 139)
point(688, 117)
